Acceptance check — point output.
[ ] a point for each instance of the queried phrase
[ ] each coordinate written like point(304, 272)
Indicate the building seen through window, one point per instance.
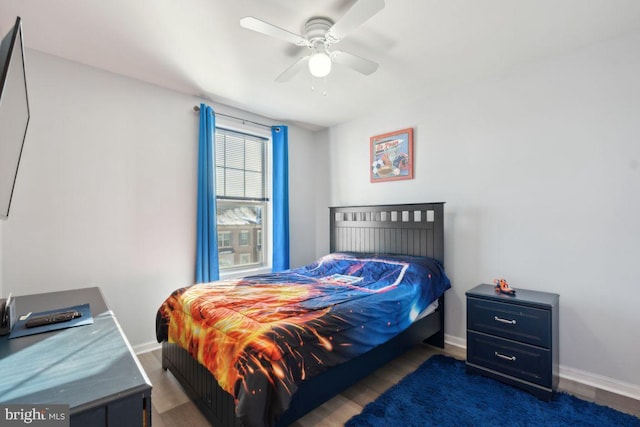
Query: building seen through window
point(240, 234)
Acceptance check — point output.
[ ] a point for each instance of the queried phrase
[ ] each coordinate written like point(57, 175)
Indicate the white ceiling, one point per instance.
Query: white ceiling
point(198, 47)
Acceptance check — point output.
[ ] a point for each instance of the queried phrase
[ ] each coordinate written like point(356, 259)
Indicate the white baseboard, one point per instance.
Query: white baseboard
point(598, 381)
point(146, 347)
point(455, 341)
point(585, 378)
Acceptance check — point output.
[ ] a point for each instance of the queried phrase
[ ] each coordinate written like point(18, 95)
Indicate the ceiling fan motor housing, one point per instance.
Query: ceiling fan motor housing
point(315, 30)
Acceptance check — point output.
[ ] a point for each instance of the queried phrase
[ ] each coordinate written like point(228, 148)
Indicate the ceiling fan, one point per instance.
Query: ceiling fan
point(318, 35)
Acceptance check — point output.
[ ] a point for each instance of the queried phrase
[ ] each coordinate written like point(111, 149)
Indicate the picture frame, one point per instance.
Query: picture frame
point(391, 156)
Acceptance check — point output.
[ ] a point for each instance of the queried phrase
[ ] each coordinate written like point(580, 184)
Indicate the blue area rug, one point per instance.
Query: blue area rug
point(441, 393)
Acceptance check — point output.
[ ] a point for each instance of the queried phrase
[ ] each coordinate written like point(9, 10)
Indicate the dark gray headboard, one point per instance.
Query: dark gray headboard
point(409, 229)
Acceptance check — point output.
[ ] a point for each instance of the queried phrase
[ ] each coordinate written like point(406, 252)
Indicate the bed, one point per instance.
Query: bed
point(275, 375)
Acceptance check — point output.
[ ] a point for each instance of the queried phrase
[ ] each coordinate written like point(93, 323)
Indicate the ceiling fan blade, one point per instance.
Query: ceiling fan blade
point(251, 23)
point(292, 70)
point(357, 15)
point(358, 63)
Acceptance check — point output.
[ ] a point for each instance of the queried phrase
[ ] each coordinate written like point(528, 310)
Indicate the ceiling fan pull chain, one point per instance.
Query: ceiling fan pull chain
point(324, 84)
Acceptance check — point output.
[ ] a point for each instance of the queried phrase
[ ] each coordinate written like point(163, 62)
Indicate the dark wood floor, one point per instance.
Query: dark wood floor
point(172, 408)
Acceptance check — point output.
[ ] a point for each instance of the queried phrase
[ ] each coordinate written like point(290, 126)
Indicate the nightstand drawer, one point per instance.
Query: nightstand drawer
point(518, 360)
point(525, 324)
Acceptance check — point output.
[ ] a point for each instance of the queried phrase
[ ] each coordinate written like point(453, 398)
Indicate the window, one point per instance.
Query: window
point(241, 191)
point(243, 238)
point(224, 239)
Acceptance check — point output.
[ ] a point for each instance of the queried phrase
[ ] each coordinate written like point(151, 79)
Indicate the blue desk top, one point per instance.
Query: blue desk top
point(82, 367)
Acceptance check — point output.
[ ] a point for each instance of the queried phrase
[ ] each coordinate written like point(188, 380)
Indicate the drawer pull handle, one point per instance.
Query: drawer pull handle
point(501, 320)
point(502, 356)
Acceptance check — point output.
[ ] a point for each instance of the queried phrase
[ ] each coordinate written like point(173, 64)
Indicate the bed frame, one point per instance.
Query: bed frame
point(408, 229)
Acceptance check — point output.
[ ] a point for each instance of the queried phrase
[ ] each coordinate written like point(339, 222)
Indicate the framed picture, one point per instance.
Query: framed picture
point(392, 156)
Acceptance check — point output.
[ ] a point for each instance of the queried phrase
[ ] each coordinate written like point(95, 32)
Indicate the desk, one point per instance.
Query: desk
point(91, 368)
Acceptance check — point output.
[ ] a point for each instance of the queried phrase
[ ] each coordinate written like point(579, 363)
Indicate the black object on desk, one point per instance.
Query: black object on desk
point(7, 315)
point(90, 368)
point(46, 321)
point(53, 318)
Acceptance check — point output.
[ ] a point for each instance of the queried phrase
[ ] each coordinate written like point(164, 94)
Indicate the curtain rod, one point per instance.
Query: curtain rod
point(244, 121)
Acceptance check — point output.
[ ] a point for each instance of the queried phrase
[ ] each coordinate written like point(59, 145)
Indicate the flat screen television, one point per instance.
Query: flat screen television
point(14, 113)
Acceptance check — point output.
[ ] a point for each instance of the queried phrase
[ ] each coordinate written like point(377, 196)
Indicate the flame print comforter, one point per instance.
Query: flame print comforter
point(262, 335)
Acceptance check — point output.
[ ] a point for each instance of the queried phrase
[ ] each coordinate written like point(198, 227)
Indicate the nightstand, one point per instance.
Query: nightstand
point(514, 339)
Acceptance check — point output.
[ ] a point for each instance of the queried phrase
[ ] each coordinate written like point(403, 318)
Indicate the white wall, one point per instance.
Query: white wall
point(540, 171)
point(323, 192)
point(106, 192)
point(306, 189)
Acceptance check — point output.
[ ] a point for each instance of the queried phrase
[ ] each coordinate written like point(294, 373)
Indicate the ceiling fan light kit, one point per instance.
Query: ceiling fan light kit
point(319, 64)
point(318, 35)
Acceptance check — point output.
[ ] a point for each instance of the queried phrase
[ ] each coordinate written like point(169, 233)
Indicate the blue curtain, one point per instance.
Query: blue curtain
point(280, 138)
point(207, 269)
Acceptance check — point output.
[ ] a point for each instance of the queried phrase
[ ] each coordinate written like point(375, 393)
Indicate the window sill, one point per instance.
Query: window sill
point(243, 273)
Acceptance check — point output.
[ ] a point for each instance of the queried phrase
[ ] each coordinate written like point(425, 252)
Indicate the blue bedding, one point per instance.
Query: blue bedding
point(262, 335)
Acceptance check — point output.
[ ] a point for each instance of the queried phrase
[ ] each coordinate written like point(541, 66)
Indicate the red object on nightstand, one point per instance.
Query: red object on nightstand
point(503, 287)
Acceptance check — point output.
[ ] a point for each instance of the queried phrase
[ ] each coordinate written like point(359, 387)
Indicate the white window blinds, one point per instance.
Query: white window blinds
point(240, 166)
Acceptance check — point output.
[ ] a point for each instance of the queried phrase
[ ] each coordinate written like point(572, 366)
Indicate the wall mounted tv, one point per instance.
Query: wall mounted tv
point(14, 113)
